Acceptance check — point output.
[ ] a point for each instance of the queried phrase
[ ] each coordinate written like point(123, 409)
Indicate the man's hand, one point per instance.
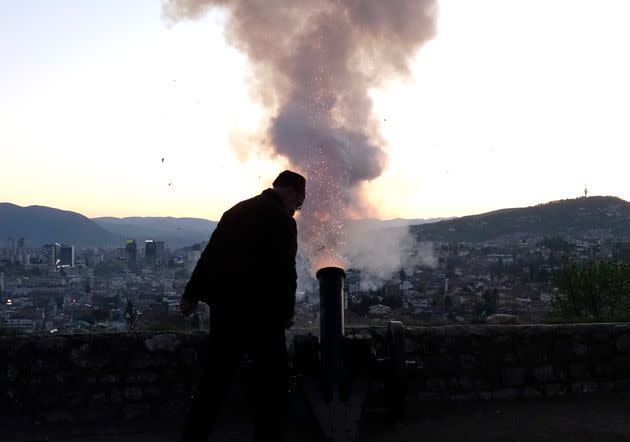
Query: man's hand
point(187, 307)
point(288, 323)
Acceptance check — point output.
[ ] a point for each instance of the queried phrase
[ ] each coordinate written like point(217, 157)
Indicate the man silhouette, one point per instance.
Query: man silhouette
point(246, 274)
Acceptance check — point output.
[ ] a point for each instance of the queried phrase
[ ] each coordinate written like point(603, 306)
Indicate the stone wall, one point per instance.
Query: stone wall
point(499, 362)
point(89, 377)
point(126, 376)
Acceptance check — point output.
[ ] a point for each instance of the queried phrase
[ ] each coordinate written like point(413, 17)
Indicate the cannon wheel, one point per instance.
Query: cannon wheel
point(396, 378)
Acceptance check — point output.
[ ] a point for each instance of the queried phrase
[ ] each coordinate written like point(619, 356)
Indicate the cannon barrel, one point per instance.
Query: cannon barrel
point(336, 390)
point(331, 325)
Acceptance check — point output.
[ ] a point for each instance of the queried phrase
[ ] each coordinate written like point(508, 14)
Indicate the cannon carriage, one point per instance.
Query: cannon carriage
point(335, 373)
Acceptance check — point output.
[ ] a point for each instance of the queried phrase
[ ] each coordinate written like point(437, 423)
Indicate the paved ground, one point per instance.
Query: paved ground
point(571, 420)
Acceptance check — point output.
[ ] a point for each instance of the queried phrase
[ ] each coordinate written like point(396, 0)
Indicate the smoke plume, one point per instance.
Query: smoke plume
point(379, 253)
point(314, 63)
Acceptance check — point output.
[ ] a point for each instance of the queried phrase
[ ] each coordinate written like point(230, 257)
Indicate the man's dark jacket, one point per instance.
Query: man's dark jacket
point(249, 262)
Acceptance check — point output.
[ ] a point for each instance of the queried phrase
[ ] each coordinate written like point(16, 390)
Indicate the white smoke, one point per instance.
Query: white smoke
point(380, 253)
point(315, 63)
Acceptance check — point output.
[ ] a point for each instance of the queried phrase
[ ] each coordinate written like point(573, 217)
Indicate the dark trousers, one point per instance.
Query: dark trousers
point(265, 346)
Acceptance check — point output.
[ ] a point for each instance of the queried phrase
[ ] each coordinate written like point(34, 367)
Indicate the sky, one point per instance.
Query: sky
point(108, 109)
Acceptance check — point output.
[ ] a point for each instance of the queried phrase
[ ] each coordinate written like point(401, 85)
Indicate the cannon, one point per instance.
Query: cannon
point(335, 373)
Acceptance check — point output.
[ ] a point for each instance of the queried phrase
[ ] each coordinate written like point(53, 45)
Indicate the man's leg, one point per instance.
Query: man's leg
point(270, 386)
point(217, 375)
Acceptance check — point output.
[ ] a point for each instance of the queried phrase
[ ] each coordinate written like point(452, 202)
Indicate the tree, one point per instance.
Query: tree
point(490, 301)
point(598, 290)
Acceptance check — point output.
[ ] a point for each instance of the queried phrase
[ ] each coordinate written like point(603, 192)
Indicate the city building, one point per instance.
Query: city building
point(160, 248)
point(21, 252)
point(131, 251)
point(12, 251)
point(150, 252)
point(66, 256)
point(51, 254)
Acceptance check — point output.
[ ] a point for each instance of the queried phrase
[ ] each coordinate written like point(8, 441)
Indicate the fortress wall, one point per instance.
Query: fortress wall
point(82, 378)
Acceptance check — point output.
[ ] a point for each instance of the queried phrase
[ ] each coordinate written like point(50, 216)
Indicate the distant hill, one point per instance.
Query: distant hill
point(596, 217)
point(40, 225)
point(377, 224)
point(175, 232)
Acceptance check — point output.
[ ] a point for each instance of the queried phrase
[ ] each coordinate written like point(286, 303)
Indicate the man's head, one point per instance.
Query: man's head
point(291, 187)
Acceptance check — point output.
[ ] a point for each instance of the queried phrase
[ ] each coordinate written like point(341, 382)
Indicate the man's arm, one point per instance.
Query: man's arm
point(199, 285)
point(192, 293)
point(291, 275)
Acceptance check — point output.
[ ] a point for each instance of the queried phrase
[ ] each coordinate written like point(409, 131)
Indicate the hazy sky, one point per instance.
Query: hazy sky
point(513, 103)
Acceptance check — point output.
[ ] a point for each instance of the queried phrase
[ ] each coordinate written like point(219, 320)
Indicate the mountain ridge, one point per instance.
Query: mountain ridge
point(40, 225)
point(175, 232)
point(595, 216)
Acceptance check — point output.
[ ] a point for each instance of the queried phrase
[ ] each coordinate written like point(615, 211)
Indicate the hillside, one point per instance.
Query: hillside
point(40, 225)
point(594, 217)
point(176, 232)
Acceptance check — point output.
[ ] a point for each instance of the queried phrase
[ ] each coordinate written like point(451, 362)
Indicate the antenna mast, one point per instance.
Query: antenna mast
point(585, 190)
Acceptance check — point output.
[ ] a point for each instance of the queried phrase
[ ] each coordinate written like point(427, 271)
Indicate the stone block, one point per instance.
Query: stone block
point(600, 335)
point(464, 396)
point(485, 395)
point(514, 376)
point(433, 345)
point(173, 408)
point(141, 361)
point(553, 390)
point(436, 385)
point(481, 384)
point(146, 377)
point(622, 385)
point(133, 393)
point(584, 387)
point(59, 417)
point(510, 358)
point(180, 389)
point(501, 343)
point(94, 414)
point(166, 342)
point(99, 397)
point(12, 372)
point(108, 379)
point(579, 347)
point(506, 393)
point(444, 364)
point(115, 395)
point(601, 350)
point(62, 377)
point(533, 350)
point(460, 383)
point(532, 393)
point(621, 364)
point(623, 343)
point(469, 361)
point(562, 350)
point(135, 411)
point(606, 387)
point(188, 357)
point(579, 370)
point(75, 399)
point(151, 392)
point(52, 344)
point(544, 374)
point(426, 396)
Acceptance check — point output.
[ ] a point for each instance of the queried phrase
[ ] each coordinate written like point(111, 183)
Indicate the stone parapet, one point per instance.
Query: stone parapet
point(124, 376)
